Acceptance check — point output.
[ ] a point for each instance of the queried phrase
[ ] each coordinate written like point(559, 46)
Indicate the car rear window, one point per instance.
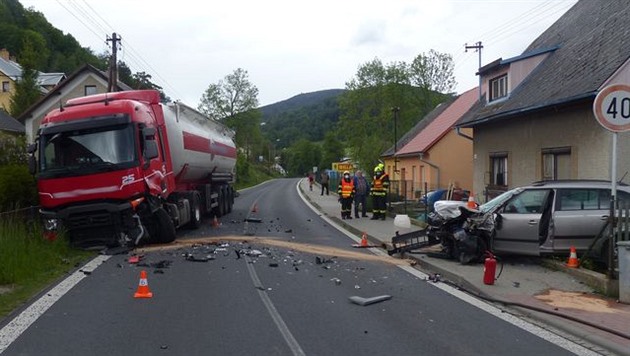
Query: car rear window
point(583, 199)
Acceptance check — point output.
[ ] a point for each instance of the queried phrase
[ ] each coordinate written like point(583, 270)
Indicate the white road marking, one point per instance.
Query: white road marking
point(277, 319)
point(20, 323)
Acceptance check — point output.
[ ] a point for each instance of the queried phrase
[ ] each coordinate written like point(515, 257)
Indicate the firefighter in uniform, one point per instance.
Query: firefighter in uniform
point(346, 195)
point(378, 192)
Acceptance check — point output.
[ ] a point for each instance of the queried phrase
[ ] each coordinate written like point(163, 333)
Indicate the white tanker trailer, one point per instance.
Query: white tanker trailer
point(121, 169)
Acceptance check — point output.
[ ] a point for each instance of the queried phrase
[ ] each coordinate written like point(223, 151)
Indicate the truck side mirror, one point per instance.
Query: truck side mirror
point(32, 161)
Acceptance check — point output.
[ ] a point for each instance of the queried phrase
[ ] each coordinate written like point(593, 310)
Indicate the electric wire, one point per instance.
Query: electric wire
point(81, 21)
point(516, 24)
point(99, 24)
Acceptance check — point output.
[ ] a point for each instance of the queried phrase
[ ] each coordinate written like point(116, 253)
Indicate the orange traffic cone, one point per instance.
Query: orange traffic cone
point(471, 202)
point(215, 222)
point(143, 287)
point(364, 240)
point(573, 260)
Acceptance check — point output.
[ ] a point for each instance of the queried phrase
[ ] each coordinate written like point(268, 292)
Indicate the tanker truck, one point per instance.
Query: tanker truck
point(123, 169)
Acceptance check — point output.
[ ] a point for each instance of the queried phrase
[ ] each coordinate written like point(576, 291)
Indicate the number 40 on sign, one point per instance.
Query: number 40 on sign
point(612, 107)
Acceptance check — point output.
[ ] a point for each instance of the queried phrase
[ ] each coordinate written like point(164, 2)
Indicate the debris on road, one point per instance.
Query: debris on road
point(135, 259)
point(367, 301)
point(195, 258)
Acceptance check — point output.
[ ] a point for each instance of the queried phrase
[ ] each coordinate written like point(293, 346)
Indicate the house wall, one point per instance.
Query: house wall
point(5, 97)
point(519, 70)
point(70, 90)
point(448, 161)
point(524, 138)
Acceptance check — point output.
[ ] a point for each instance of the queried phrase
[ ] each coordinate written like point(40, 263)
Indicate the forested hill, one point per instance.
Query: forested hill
point(304, 116)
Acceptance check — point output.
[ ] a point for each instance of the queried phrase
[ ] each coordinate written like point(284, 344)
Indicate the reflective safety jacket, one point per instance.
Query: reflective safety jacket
point(380, 185)
point(346, 189)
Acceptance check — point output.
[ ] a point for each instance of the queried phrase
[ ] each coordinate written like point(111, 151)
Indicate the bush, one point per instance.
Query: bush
point(28, 262)
point(18, 187)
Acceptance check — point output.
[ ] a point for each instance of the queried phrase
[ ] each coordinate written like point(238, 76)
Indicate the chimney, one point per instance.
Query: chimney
point(4, 54)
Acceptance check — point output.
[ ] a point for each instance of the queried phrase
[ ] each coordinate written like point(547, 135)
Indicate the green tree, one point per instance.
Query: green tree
point(332, 150)
point(26, 88)
point(433, 71)
point(234, 101)
point(302, 157)
point(367, 116)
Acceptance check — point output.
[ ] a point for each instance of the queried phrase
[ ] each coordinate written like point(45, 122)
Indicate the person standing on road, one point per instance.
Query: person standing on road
point(361, 187)
point(324, 182)
point(380, 186)
point(346, 194)
point(311, 178)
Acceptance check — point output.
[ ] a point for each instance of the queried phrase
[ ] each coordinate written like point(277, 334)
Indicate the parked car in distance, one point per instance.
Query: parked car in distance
point(432, 196)
point(550, 217)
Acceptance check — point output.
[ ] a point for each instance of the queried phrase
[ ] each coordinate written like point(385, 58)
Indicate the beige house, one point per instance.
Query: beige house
point(11, 72)
point(433, 155)
point(536, 121)
point(85, 81)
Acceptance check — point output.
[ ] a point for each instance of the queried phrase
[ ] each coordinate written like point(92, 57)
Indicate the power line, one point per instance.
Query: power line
point(82, 12)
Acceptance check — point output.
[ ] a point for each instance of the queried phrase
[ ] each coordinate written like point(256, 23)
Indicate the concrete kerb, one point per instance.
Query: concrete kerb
point(372, 240)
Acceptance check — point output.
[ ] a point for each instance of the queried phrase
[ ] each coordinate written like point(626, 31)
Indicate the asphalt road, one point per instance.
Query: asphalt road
point(258, 299)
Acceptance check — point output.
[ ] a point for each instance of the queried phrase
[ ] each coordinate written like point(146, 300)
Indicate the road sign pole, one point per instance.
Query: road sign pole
point(612, 110)
point(613, 194)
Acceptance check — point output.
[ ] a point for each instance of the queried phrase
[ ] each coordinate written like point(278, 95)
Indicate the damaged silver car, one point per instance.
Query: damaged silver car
point(549, 217)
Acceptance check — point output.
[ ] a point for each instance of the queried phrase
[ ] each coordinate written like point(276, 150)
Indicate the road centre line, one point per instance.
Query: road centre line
point(10, 332)
point(275, 315)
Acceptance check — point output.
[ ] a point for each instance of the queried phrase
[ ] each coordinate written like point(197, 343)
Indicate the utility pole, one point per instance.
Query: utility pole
point(477, 47)
point(112, 82)
point(395, 109)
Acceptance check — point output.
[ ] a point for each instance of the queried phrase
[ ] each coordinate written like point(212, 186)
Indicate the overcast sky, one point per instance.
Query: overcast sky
point(290, 47)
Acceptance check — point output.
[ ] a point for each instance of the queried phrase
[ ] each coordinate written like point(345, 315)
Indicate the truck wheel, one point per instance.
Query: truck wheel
point(219, 209)
point(230, 199)
point(166, 228)
point(195, 210)
point(226, 200)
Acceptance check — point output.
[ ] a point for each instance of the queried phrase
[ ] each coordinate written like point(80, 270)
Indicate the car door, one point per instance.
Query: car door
point(519, 226)
point(579, 215)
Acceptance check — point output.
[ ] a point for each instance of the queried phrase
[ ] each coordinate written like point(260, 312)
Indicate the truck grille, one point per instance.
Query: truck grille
point(92, 219)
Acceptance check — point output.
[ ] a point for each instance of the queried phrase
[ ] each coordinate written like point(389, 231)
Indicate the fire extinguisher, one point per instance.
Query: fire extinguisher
point(490, 269)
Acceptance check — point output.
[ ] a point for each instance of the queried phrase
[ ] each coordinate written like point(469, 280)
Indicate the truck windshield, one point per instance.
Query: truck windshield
point(87, 150)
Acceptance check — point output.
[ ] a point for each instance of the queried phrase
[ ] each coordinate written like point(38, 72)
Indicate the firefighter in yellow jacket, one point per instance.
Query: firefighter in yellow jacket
point(346, 195)
point(378, 192)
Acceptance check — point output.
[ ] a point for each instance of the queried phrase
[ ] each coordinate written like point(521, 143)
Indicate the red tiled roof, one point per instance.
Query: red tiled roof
point(441, 124)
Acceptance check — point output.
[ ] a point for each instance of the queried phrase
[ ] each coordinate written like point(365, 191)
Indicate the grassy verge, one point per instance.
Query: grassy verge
point(29, 263)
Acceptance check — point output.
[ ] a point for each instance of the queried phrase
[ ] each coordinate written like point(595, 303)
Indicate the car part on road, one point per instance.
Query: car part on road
point(367, 301)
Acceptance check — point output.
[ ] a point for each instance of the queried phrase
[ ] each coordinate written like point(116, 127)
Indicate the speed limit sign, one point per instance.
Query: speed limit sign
point(612, 107)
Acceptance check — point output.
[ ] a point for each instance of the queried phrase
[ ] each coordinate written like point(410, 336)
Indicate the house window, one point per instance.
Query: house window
point(498, 87)
point(90, 89)
point(498, 169)
point(6, 86)
point(556, 163)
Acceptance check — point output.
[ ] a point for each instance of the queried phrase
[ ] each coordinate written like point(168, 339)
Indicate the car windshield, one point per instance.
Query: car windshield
point(87, 151)
point(497, 202)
